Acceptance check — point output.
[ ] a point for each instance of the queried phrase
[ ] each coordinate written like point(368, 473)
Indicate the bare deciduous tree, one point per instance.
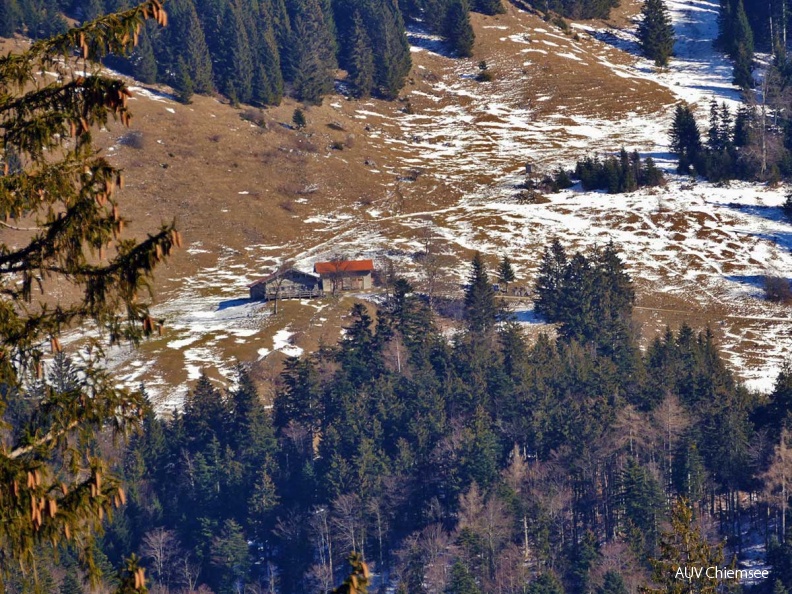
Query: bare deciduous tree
point(162, 547)
point(778, 476)
point(348, 523)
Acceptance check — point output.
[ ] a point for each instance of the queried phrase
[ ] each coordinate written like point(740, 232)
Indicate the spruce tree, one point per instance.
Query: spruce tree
point(685, 138)
point(189, 40)
point(505, 273)
point(393, 60)
point(488, 6)
point(461, 581)
point(549, 282)
point(144, 63)
point(612, 583)
point(312, 56)
point(656, 33)
point(10, 17)
point(480, 308)
point(683, 545)
point(268, 80)
point(55, 485)
point(183, 83)
point(361, 61)
point(457, 28)
point(786, 208)
point(742, 44)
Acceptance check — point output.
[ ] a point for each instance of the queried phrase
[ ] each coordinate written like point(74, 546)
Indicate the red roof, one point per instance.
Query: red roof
point(344, 266)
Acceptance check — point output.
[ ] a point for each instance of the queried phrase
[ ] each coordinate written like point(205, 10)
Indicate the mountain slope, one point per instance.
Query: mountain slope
point(439, 167)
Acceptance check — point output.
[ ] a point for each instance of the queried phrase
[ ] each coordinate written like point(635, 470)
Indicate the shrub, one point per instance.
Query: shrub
point(133, 140)
point(777, 289)
point(298, 119)
point(786, 208)
point(254, 116)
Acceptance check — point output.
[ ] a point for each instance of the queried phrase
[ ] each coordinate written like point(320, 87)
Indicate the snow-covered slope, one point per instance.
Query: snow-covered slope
point(448, 158)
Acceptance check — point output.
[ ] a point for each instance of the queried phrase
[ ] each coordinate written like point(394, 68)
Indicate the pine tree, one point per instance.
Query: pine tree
point(183, 83)
point(457, 28)
point(361, 61)
point(358, 580)
point(656, 33)
point(461, 581)
point(312, 56)
point(143, 60)
point(684, 546)
point(488, 6)
point(549, 281)
point(298, 119)
point(506, 273)
point(49, 473)
point(268, 80)
point(612, 583)
point(392, 58)
point(742, 48)
point(480, 308)
point(685, 138)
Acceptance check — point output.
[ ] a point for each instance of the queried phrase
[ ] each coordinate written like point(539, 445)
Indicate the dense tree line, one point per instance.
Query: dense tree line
point(255, 51)
point(617, 174)
point(576, 9)
point(481, 463)
point(755, 143)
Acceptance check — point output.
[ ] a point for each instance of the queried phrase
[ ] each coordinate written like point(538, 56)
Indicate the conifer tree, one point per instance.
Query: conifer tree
point(188, 40)
point(312, 56)
point(612, 583)
point(684, 546)
point(786, 207)
point(461, 581)
point(298, 119)
point(480, 308)
point(143, 60)
point(742, 45)
point(392, 58)
point(488, 6)
point(549, 282)
point(268, 79)
point(358, 580)
point(457, 28)
point(361, 60)
point(655, 33)
point(685, 138)
point(505, 272)
point(55, 487)
point(183, 83)
point(10, 17)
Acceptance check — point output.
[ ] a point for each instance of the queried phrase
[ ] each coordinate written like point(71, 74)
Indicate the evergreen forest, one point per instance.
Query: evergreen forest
point(480, 463)
point(257, 51)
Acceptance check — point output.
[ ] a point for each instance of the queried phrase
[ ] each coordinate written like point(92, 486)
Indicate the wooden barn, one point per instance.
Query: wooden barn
point(286, 284)
point(345, 275)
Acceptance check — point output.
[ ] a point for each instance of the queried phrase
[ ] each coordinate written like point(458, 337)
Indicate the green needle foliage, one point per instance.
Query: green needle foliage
point(63, 229)
point(655, 33)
